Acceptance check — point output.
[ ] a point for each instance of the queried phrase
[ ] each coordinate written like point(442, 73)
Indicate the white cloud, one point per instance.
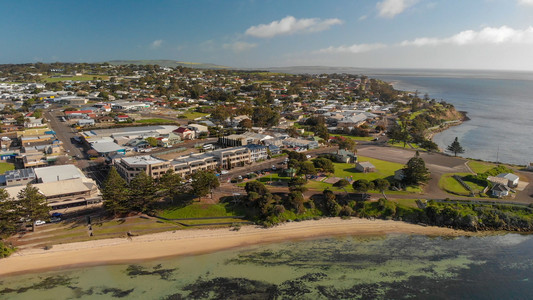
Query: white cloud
point(487, 35)
point(526, 2)
point(156, 44)
point(290, 25)
point(363, 17)
point(239, 46)
point(355, 48)
point(391, 8)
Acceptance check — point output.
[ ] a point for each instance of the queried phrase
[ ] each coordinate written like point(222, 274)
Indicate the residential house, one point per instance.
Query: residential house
point(500, 190)
point(345, 156)
point(122, 118)
point(185, 133)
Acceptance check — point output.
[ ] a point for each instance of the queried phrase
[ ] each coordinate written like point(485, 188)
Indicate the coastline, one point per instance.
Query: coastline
point(193, 242)
point(433, 132)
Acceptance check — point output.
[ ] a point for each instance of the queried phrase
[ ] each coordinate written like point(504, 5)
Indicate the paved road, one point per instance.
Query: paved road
point(64, 133)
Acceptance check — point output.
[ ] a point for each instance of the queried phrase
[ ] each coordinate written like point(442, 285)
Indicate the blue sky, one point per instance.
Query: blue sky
point(456, 34)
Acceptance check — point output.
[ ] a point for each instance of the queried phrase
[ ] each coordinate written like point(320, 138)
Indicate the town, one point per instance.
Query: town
point(105, 140)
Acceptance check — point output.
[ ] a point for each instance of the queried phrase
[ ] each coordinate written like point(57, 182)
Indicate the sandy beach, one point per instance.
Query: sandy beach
point(190, 242)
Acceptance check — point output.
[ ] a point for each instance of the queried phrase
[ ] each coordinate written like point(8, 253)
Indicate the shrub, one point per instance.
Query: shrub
point(341, 183)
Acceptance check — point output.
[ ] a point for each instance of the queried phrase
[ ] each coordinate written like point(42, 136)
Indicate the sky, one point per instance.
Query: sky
point(447, 34)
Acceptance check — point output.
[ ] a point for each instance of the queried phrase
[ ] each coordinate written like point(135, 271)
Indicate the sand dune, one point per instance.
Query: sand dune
point(190, 242)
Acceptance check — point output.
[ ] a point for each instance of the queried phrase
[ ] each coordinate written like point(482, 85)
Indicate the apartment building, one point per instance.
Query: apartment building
point(129, 167)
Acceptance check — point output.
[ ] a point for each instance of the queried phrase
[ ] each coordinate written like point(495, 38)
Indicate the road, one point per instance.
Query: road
point(64, 133)
point(437, 163)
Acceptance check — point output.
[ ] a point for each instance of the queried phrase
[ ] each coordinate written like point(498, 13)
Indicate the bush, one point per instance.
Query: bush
point(5, 250)
point(341, 183)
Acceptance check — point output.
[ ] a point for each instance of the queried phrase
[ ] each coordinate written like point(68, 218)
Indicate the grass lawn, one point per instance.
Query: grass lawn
point(197, 210)
point(155, 121)
point(5, 166)
point(74, 78)
point(384, 169)
point(480, 167)
point(193, 115)
point(212, 221)
point(356, 138)
point(450, 185)
point(406, 202)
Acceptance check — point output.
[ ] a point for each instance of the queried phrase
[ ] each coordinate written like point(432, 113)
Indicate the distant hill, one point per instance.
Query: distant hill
point(167, 63)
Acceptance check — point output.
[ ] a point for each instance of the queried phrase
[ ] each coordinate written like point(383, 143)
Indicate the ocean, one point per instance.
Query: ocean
point(379, 267)
point(500, 126)
point(499, 105)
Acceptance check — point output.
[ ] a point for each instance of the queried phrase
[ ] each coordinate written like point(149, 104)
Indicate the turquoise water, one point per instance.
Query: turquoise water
point(393, 266)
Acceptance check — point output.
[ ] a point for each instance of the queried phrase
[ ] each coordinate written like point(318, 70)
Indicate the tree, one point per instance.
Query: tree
point(142, 192)
point(246, 124)
point(170, 184)
point(152, 141)
point(307, 168)
point(362, 185)
point(341, 183)
point(381, 185)
point(203, 182)
point(33, 204)
point(115, 193)
point(297, 184)
point(415, 171)
point(296, 199)
point(9, 214)
point(346, 143)
point(324, 164)
point(455, 147)
point(256, 187)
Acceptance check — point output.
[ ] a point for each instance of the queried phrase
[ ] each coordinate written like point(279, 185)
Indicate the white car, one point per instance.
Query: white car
point(224, 172)
point(308, 156)
point(39, 222)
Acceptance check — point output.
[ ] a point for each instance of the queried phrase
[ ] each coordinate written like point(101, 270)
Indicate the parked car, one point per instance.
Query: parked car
point(308, 156)
point(274, 168)
point(57, 215)
point(39, 222)
point(55, 220)
point(224, 172)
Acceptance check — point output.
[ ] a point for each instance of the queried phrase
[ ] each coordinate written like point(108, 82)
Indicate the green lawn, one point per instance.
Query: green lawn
point(197, 210)
point(449, 184)
point(384, 169)
point(74, 78)
point(154, 121)
point(5, 166)
point(356, 138)
point(191, 115)
point(212, 221)
point(480, 167)
point(406, 202)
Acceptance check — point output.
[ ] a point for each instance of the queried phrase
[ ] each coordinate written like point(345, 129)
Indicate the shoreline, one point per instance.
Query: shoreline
point(432, 133)
point(194, 242)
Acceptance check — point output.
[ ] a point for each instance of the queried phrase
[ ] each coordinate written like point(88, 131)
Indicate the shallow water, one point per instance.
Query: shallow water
point(393, 266)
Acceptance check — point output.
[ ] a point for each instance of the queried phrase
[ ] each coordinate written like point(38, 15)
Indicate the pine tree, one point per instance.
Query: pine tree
point(33, 204)
point(142, 192)
point(170, 184)
point(455, 147)
point(203, 182)
point(415, 171)
point(115, 193)
point(9, 214)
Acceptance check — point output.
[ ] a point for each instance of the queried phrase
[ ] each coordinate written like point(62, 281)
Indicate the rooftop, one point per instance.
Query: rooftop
point(142, 160)
point(57, 173)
